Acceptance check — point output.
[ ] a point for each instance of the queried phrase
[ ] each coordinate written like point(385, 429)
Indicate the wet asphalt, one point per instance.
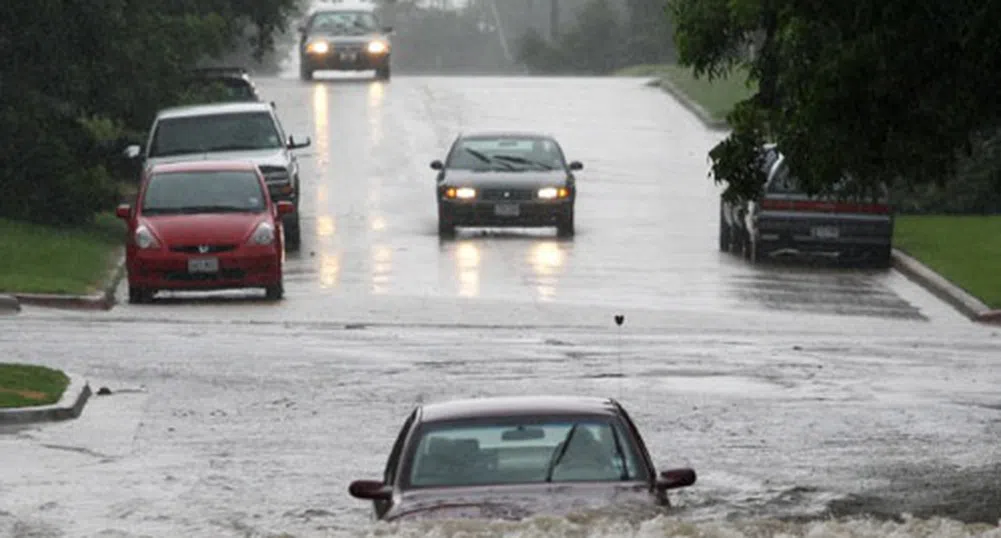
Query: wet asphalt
point(794, 390)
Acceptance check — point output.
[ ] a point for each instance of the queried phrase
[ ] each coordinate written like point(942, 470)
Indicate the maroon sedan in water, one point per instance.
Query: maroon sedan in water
point(514, 457)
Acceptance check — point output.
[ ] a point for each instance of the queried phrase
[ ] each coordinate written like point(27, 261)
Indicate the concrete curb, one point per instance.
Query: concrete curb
point(945, 290)
point(69, 406)
point(9, 304)
point(690, 104)
point(103, 300)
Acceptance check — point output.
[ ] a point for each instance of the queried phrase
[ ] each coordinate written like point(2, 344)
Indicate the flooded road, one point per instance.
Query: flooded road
point(795, 392)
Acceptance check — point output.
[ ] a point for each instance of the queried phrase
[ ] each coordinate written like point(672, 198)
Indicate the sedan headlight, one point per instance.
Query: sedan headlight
point(548, 193)
point(378, 47)
point(263, 235)
point(144, 238)
point(318, 47)
point(465, 193)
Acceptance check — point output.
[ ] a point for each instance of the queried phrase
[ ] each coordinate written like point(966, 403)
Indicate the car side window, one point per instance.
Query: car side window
point(393, 462)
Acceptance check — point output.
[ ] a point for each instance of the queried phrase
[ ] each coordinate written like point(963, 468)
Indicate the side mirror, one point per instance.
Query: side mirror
point(273, 105)
point(371, 490)
point(387, 29)
point(576, 165)
point(675, 478)
point(123, 211)
point(132, 151)
point(285, 207)
point(292, 144)
point(437, 165)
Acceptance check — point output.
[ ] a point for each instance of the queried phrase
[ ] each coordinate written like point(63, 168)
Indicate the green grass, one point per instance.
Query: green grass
point(717, 97)
point(40, 259)
point(964, 249)
point(24, 385)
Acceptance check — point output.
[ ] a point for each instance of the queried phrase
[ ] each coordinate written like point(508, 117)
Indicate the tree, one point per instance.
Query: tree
point(880, 91)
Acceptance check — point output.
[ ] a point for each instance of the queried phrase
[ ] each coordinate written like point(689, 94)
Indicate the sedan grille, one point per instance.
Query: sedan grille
point(507, 194)
point(202, 249)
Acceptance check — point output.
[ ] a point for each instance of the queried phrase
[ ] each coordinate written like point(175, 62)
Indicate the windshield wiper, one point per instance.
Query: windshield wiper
point(559, 456)
point(483, 157)
point(214, 209)
point(522, 160)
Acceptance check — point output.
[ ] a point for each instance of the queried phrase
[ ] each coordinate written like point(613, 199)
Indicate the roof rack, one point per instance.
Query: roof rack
point(221, 69)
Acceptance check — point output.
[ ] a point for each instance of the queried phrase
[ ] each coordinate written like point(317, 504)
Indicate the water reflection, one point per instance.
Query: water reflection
point(382, 266)
point(325, 226)
point(547, 259)
point(330, 269)
point(376, 94)
point(378, 223)
point(321, 127)
point(467, 256)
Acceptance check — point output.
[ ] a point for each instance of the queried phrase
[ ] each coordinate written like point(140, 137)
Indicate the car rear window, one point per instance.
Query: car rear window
point(240, 131)
point(484, 454)
point(203, 192)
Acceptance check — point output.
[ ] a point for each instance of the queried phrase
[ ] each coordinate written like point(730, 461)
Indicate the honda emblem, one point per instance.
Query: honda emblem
point(202, 249)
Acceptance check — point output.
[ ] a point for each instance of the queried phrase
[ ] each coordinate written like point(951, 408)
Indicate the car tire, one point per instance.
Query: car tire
point(882, 257)
point(565, 225)
point(383, 73)
point(275, 293)
point(305, 73)
point(140, 295)
point(446, 226)
point(293, 233)
point(725, 232)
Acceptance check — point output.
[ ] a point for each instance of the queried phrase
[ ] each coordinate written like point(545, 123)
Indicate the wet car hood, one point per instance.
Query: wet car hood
point(260, 157)
point(516, 502)
point(501, 179)
point(204, 229)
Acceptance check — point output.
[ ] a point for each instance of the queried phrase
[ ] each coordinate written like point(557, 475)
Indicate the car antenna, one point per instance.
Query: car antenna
point(620, 319)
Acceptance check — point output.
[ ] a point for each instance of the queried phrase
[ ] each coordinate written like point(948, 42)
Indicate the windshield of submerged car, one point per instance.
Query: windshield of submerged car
point(559, 451)
point(343, 23)
point(506, 153)
point(241, 131)
point(174, 193)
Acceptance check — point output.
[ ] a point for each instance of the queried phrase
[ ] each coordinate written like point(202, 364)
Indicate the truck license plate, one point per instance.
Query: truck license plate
point(507, 210)
point(203, 265)
point(825, 232)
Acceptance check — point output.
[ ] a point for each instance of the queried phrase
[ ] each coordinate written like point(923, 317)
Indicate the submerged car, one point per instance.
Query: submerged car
point(514, 457)
point(234, 83)
point(230, 131)
point(203, 226)
point(344, 38)
point(786, 222)
point(506, 179)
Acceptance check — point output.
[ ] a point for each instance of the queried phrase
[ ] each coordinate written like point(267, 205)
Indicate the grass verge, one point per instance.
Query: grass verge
point(717, 97)
point(26, 385)
point(41, 259)
point(964, 249)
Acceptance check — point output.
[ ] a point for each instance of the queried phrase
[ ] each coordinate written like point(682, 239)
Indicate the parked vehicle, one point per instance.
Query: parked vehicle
point(506, 179)
point(204, 225)
point(513, 457)
point(234, 81)
point(230, 131)
point(344, 37)
point(786, 222)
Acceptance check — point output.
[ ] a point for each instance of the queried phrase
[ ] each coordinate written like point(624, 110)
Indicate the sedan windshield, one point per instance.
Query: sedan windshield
point(506, 153)
point(560, 451)
point(204, 192)
point(343, 23)
point(216, 132)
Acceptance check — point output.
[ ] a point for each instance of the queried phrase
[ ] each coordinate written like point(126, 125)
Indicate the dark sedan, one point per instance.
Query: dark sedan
point(786, 222)
point(514, 457)
point(505, 180)
point(344, 39)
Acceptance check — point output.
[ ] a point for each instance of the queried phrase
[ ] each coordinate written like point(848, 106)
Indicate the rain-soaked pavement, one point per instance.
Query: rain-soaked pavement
point(797, 393)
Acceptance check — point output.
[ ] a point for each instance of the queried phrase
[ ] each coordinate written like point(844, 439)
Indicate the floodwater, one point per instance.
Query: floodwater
point(808, 399)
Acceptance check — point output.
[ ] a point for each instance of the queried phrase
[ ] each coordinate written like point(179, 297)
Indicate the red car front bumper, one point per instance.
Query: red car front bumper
point(243, 267)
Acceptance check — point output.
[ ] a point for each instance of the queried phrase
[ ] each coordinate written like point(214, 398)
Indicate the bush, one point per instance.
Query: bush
point(595, 45)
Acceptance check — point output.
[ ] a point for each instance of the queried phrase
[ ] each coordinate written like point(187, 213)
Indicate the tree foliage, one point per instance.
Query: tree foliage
point(78, 76)
point(881, 91)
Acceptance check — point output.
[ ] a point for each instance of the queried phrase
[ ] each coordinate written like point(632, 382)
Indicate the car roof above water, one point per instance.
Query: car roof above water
point(517, 406)
point(213, 108)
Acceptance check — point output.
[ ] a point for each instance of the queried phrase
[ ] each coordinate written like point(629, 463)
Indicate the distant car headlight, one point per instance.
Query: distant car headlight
point(318, 47)
point(263, 235)
point(378, 47)
point(548, 193)
point(144, 238)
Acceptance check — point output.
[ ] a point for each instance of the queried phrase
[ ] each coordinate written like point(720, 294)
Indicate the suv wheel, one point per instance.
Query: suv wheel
point(293, 238)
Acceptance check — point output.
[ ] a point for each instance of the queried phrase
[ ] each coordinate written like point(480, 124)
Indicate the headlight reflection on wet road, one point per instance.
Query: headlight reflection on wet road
point(467, 257)
point(547, 259)
point(382, 268)
point(376, 95)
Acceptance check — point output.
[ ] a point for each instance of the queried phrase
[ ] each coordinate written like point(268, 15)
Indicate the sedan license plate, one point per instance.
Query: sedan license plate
point(349, 56)
point(825, 232)
point(507, 210)
point(203, 265)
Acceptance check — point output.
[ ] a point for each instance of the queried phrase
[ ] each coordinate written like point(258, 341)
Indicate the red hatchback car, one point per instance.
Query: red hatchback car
point(204, 225)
